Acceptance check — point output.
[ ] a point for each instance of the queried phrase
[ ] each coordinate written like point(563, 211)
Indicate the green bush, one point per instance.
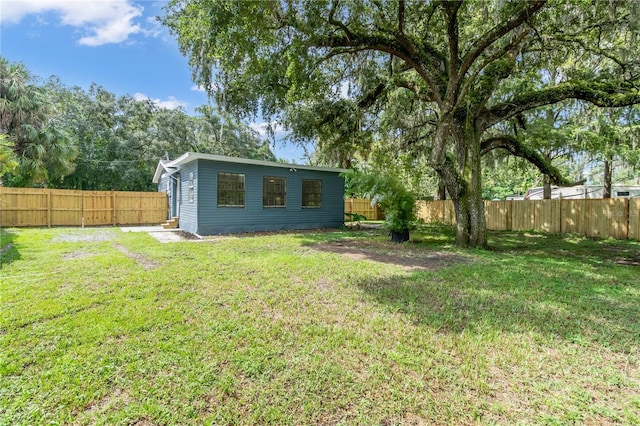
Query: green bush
point(393, 198)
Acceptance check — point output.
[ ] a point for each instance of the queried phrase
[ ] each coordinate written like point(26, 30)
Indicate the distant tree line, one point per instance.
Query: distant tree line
point(56, 136)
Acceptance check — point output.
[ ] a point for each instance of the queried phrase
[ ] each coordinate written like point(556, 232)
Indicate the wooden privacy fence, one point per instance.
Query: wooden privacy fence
point(606, 218)
point(363, 207)
point(59, 207)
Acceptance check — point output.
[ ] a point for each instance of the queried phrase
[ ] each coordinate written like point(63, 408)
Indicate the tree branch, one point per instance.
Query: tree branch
point(514, 147)
point(413, 88)
point(598, 51)
point(451, 9)
point(425, 67)
point(468, 84)
point(496, 32)
point(599, 94)
point(332, 21)
point(371, 97)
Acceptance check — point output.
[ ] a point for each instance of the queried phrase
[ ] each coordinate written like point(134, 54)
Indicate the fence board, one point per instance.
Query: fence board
point(58, 207)
point(98, 208)
point(24, 207)
point(362, 206)
point(610, 218)
point(546, 216)
point(430, 211)
point(523, 215)
point(607, 218)
point(66, 207)
point(498, 215)
point(634, 219)
point(439, 211)
point(140, 208)
point(571, 217)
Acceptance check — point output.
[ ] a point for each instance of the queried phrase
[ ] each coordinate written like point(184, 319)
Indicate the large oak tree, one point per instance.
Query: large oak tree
point(465, 66)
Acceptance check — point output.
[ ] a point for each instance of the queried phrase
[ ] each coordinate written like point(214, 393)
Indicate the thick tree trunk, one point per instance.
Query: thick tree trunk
point(442, 191)
point(546, 187)
point(606, 181)
point(471, 227)
point(464, 186)
point(478, 231)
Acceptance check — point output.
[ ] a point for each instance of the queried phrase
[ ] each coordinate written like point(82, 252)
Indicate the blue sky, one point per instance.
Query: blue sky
point(116, 44)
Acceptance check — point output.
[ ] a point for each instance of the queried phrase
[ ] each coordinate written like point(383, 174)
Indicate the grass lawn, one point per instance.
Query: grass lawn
point(99, 326)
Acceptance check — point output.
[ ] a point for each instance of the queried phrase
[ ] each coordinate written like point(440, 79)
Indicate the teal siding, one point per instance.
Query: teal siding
point(162, 187)
point(188, 209)
point(212, 219)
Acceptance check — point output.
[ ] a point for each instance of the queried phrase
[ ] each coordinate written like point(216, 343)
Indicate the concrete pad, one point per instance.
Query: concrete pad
point(158, 232)
point(167, 237)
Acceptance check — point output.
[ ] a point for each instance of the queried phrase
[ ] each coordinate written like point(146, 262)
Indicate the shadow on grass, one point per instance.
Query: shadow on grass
point(591, 251)
point(580, 290)
point(333, 235)
point(568, 246)
point(584, 316)
point(8, 251)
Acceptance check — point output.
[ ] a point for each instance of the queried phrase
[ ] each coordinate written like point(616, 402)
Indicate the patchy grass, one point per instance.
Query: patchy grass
point(104, 327)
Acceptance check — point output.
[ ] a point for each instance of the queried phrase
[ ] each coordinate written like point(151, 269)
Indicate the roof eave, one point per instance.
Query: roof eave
point(160, 170)
point(192, 156)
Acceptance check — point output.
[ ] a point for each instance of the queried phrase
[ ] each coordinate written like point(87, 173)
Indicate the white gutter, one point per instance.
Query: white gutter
point(192, 156)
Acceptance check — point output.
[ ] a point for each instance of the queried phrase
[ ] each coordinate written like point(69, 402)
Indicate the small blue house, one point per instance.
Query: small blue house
point(214, 194)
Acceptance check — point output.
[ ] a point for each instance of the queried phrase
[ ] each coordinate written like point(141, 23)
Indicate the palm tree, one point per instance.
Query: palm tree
point(43, 153)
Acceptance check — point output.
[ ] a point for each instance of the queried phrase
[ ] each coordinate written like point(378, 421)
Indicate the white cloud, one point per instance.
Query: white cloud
point(100, 21)
point(170, 103)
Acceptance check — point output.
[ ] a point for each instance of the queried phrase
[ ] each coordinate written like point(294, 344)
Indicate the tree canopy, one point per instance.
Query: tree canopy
point(66, 137)
point(437, 77)
point(42, 152)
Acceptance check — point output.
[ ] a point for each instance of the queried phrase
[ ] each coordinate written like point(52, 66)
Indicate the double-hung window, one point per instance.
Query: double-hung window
point(230, 189)
point(311, 193)
point(274, 191)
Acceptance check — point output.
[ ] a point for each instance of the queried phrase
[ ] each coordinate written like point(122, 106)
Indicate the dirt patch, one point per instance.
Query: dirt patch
point(140, 259)
point(628, 261)
point(90, 236)
point(323, 285)
point(115, 398)
point(624, 257)
point(188, 235)
point(407, 256)
point(80, 254)
point(279, 232)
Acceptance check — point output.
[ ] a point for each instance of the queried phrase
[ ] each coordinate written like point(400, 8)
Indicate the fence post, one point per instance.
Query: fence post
point(82, 211)
point(113, 201)
point(627, 219)
point(49, 208)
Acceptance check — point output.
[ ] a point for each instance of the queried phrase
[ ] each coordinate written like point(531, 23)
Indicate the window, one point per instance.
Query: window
point(274, 190)
point(311, 193)
point(191, 191)
point(230, 190)
point(623, 193)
